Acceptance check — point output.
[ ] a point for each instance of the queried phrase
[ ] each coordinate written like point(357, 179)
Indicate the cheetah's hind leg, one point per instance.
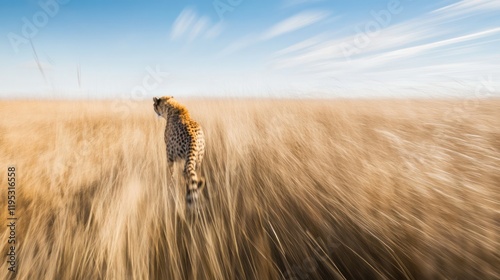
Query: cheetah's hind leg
point(171, 173)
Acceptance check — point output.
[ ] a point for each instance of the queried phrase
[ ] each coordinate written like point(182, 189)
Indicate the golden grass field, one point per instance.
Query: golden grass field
point(339, 189)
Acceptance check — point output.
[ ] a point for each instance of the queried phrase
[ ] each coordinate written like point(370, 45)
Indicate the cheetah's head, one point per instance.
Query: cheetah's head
point(161, 105)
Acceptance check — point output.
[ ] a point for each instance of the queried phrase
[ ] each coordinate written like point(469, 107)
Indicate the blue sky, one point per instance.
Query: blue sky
point(231, 48)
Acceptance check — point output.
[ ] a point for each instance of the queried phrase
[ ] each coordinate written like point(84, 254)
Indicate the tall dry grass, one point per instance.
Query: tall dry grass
point(298, 190)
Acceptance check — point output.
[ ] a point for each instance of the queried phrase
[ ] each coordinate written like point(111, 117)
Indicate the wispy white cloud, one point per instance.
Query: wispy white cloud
point(427, 50)
point(191, 25)
point(199, 27)
point(469, 7)
point(214, 31)
point(182, 23)
point(294, 23)
point(291, 24)
point(239, 44)
point(415, 50)
point(323, 61)
point(395, 39)
point(315, 40)
point(434, 26)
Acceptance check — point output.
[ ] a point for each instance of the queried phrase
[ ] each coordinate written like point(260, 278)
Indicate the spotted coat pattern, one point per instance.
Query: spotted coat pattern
point(185, 141)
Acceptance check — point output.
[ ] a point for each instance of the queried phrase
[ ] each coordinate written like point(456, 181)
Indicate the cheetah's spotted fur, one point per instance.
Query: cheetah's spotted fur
point(185, 142)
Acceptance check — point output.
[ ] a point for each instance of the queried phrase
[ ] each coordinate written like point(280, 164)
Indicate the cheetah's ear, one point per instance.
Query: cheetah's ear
point(155, 100)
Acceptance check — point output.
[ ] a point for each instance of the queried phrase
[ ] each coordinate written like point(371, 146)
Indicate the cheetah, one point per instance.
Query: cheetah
point(185, 141)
